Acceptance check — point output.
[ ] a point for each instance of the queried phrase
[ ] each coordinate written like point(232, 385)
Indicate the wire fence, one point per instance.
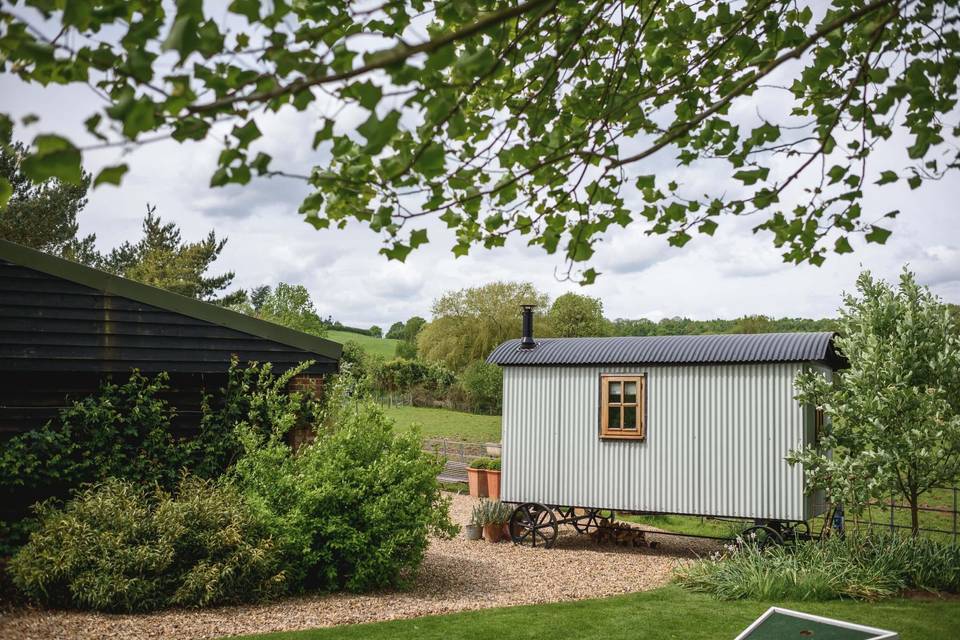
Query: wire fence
point(938, 514)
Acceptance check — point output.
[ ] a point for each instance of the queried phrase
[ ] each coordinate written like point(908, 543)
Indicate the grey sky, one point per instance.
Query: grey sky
point(734, 273)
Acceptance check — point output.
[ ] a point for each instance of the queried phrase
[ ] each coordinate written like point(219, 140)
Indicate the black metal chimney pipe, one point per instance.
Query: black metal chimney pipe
point(527, 341)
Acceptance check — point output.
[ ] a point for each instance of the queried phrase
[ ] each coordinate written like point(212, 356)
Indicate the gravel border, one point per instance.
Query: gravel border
point(457, 575)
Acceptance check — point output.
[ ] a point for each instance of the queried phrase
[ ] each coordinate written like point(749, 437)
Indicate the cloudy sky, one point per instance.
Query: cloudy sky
point(734, 273)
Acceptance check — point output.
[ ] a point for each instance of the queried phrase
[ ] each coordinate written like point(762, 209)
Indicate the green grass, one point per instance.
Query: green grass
point(662, 614)
point(386, 347)
point(443, 423)
point(880, 516)
point(692, 525)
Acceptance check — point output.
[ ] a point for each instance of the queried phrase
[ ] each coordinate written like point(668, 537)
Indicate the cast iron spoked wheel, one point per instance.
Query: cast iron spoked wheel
point(590, 521)
point(797, 532)
point(762, 536)
point(534, 525)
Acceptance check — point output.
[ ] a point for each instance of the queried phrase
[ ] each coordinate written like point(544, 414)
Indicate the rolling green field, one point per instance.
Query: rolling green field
point(386, 347)
point(668, 613)
point(443, 423)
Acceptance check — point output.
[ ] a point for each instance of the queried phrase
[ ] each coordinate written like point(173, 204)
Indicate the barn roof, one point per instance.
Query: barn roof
point(696, 349)
point(166, 300)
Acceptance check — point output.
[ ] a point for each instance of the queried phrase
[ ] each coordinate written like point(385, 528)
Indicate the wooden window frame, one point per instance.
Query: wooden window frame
point(606, 433)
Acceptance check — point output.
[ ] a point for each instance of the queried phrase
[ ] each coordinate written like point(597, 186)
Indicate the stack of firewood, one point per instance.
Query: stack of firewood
point(620, 533)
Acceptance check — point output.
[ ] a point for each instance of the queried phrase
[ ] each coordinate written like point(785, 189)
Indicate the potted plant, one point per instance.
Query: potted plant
point(474, 530)
point(493, 479)
point(494, 515)
point(477, 477)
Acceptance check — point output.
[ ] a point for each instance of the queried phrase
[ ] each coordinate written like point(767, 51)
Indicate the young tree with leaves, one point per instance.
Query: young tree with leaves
point(540, 118)
point(289, 305)
point(894, 415)
point(43, 215)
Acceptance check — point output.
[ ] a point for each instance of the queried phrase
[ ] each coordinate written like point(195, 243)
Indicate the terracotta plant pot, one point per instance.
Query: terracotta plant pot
point(477, 481)
point(493, 532)
point(493, 484)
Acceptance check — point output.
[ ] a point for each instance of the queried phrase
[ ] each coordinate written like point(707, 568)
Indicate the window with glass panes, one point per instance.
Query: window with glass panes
point(623, 411)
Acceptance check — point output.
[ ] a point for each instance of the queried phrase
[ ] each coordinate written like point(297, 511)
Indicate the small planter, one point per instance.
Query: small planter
point(477, 481)
point(473, 531)
point(494, 449)
point(493, 484)
point(493, 532)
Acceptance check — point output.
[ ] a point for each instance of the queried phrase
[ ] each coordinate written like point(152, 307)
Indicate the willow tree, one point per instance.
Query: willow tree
point(550, 119)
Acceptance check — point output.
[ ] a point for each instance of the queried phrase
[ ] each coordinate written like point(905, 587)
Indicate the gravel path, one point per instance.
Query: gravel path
point(456, 575)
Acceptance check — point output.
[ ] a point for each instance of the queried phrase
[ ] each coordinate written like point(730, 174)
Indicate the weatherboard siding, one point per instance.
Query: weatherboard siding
point(50, 324)
point(715, 441)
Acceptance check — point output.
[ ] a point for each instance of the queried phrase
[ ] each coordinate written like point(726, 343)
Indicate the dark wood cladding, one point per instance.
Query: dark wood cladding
point(59, 339)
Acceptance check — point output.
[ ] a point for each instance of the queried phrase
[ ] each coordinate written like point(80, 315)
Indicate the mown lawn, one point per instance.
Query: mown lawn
point(443, 423)
point(386, 347)
point(667, 613)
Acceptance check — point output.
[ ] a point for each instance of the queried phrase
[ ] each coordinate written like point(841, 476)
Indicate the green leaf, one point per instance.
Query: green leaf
point(751, 176)
point(246, 134)
point(56, 157)
point(877, 235)
point(431, 161)
point(111, 175)
point(842, 245)
point(646, 182)
point(183, 36)
point(914, 181)
point(887, 177)
point(708, 227)
point(379, 132)
point(365, 93)
point(261, 163)
point(418, 238)
point(250, 9)
point(6, 190)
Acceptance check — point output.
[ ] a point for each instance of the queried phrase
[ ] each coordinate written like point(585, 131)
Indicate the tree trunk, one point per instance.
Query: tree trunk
point(914, 513)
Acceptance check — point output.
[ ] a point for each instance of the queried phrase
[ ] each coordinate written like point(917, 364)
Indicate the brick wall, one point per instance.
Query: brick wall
point(302, 434)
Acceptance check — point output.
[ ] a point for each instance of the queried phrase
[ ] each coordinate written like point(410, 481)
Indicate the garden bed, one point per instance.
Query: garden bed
point(456, 575)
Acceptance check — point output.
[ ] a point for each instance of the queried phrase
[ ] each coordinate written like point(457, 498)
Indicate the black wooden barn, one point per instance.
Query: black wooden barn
point(65, 327)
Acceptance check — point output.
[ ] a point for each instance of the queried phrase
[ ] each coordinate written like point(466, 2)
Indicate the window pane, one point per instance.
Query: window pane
point(614, 392)
point(613, 418)
point(629, 417)
point(629, 391)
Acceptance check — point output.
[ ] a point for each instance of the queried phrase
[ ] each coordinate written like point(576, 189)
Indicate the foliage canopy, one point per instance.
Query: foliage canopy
point(894, 414)
point(546, 118)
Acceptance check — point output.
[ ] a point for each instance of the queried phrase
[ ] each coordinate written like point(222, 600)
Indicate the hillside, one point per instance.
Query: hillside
point(386, 347)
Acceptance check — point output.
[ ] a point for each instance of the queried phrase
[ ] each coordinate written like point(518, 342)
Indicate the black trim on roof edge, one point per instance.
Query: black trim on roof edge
point(146, 294)
point(674, 350)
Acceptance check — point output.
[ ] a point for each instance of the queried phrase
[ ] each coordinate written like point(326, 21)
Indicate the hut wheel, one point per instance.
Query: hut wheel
point(590, 521)
point(534, 525)
point(762, 536)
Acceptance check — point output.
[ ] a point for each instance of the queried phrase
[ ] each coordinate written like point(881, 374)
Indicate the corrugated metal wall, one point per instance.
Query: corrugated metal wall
point(716, 440)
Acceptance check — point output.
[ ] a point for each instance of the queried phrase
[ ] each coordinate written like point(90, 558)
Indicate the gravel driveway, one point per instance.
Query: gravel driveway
point(456, 575)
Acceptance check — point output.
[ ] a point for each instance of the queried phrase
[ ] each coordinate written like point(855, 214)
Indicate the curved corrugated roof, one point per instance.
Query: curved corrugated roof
point(699, 349)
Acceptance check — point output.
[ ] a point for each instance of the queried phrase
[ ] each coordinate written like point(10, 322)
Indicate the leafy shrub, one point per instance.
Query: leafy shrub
point(864, 567)
point(484, 386)
point(353, 509)
point(119, 547)
point(125, 431)
point(122, 431)
point(400, 375)
point(253, 396)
